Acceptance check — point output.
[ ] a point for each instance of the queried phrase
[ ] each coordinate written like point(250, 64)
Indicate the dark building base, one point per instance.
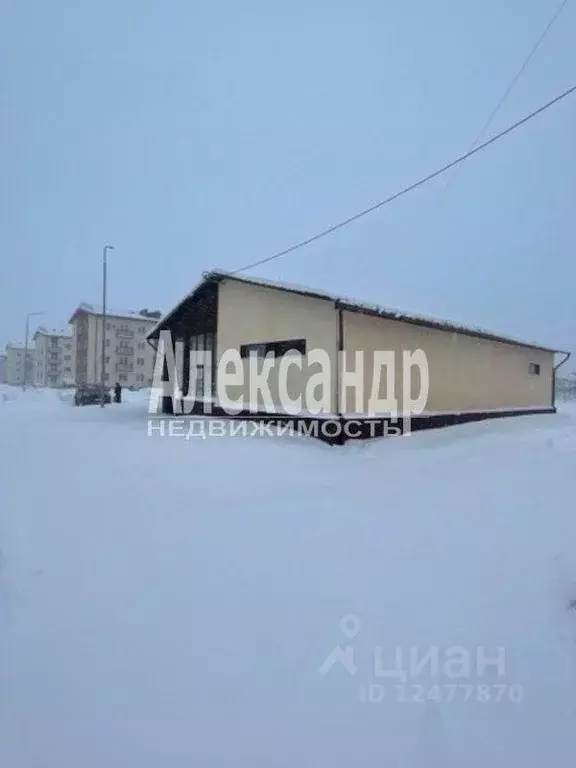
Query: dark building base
point(368, 428)
point(340, 430)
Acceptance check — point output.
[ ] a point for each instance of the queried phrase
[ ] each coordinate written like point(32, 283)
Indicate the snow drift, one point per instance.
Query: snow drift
point(173, 601)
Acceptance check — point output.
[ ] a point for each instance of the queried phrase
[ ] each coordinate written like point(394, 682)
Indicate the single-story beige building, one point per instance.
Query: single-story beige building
point(470, 373)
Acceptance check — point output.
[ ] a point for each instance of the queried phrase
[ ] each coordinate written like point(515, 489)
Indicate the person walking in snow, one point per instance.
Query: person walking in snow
point(118, 392)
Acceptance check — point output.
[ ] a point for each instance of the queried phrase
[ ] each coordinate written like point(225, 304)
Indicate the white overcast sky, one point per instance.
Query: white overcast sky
point(191, 135)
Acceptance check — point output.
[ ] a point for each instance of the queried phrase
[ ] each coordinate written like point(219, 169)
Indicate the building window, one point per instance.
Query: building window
point(107, 342)
point(140, 361)
point(141, 344)
point(122, 377)
point(107, 359)
point(67, 357)
point(124, 332)
point(534, 369)
point(274, 348)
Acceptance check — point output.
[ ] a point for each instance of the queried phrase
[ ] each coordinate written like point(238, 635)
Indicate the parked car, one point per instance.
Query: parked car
point(91, 394)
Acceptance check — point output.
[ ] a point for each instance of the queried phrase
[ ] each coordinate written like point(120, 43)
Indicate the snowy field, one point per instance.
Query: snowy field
point(171, 602)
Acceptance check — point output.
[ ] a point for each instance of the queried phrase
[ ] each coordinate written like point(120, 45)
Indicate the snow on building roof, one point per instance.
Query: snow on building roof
point(19, 346)
point(306, 290)
point(96, 309)
point(61, 334)
point(353, 305)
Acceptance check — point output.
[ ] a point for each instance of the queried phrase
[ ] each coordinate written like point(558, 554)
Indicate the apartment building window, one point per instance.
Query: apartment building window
point(141, 345)
point(140, 361)
point(107, 342)
point(122, 377)
point(107, 359)
point(53, 342)
point(124, 365)
point(67, 357)
point(141, 329)
point(124, 348)
point(124, 332)
point(534, 369)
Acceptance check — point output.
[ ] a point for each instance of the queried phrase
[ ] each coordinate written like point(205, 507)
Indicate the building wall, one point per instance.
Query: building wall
point(251, 314)
point(86, 352)
point(465, 373)
point(15, 366)
point(128, 358)
point(54, 359)
point(2, 369)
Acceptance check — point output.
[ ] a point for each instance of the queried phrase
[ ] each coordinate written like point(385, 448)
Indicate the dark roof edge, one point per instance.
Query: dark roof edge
point(207, 277)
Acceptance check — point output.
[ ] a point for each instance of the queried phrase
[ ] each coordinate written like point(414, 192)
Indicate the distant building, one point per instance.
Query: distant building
point(2, 369)
point(128, 358)
point(14, 366)
point(54, 358)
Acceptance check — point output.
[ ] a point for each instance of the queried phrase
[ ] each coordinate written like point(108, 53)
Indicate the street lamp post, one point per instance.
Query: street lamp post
point(104, 287)
point(27, 333)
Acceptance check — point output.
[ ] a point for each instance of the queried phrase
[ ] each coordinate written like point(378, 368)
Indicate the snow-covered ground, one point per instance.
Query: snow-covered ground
point(171, 602)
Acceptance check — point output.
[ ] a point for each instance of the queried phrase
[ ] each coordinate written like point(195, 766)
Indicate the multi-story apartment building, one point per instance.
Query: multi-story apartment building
point(128, 359)
point(54, 355)
point(15, 365)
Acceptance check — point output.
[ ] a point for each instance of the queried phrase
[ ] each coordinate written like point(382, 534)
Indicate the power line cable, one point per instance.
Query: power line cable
point(513, 82)
point(410, 188)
